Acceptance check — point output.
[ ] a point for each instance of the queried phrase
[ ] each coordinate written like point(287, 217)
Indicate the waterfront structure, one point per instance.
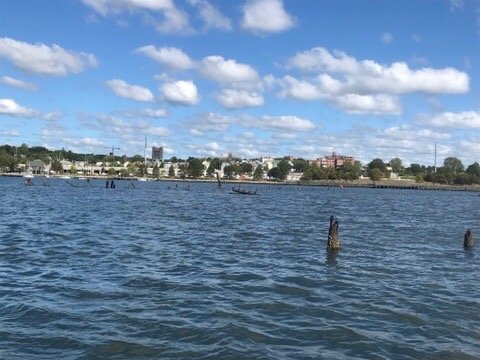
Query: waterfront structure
point(334, 161)
point(157, 153)
point(36, 167)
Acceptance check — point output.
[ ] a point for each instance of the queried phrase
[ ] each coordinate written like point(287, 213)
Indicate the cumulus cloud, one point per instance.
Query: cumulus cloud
point(145, 113)
point(180, 92)
point(127, 91)
point(265, 16)
point(174, 20)
point(368, 76)
point(228, 72)
point(7, 80)
point(217, 122)
point(44, 60)
point(170, 57)
point(211, 16)
point(11, 108)
point(460, 120)
point(236, 99)
point(10, 133)
point(363, 86)
point(368, 104)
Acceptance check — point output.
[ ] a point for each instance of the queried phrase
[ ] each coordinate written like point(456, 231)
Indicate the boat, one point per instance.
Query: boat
point(28, 176)
point(65, 177)
point(142, 179)
point(243, 191)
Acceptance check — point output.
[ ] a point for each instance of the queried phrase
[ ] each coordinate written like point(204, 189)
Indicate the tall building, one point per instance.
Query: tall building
point(157, 153)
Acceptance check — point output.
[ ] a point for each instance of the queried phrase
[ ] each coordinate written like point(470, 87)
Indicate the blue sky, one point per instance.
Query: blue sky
point(252, 78)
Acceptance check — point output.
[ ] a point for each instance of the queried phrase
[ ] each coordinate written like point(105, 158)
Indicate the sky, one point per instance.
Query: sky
point(205, 78)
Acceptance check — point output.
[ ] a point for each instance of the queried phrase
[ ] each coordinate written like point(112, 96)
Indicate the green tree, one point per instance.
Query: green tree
point(171, 171)
point(377, 164)
point(375, 174)
point(349, 172)
point(231, 171)
point(246, 168)
point(473, 169)
point(283, 168)
point(156, 171)
point(56, 166)
point(258, 174)
point(73, 169)
point(215, 164)
point(300, 165)
point(111, 171)
point(416, 169)
point(396, 165)
point(195, 168)
point(453, 164)
point(274, 173)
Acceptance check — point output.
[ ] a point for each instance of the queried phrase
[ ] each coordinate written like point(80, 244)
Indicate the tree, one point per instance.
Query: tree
point(246, 168)
point(231, 171)
point(171, 171)
point(56, 166)
point(156, 171)
point(283, 168)
point(195, 167)
point(258, 174)
point(396, 165)
point(73, 169)
point(215, 164)
point(473, 169)
point(416, 169)
point(453, 164)
point(375, 174)
point(274, 173)
point(377, 164)
point(349, 172)
point(300, 165)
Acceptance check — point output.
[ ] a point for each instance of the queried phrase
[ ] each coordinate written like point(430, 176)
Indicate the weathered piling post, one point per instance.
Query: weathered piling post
point(468, 239)
point(218, 180)
point(333, 242)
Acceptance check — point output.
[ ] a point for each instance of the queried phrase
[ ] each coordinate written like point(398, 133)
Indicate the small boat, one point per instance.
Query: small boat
point(243, 191)
point(65, 177)
point(28, 176)
point(142, 179)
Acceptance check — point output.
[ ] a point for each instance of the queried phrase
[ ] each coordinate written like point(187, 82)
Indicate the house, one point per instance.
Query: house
point(36, 167)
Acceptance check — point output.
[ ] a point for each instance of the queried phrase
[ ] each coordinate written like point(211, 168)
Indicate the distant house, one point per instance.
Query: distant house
point(334, 161)
point(36, 167)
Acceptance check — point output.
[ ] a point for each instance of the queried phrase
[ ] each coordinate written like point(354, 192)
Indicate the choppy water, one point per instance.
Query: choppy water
point(154, 273)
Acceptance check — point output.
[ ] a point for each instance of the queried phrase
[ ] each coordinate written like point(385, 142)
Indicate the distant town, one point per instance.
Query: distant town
point(40, 161)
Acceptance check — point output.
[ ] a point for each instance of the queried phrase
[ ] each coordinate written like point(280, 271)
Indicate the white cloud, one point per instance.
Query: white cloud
point(368, 104)
point(44, 60)
point(158, 131)
point(386, 38)
point(52, 116)
point(368, 76)
point(265, 16)
point(228, 72)
point(211, 16)
point(290, 123)
point(236, 99)
point(11, 108)
point(460, 120)
point(146, 113)
point(10, 133)
point(127, 91)
point(180, 92)
point(170, 57)
point(173, 20)
point(7, 80)
point(217, 122)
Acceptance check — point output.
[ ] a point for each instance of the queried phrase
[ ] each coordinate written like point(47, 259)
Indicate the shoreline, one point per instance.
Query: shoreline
point(384, 184)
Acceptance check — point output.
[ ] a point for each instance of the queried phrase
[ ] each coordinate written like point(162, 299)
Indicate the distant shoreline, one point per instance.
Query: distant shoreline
point(384, 184)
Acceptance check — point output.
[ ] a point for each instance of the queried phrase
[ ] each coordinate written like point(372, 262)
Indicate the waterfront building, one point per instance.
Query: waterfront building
point(334, 161)
point(157, 153)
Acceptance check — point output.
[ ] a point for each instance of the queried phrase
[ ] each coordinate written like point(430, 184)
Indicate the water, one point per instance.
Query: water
point(155, 271)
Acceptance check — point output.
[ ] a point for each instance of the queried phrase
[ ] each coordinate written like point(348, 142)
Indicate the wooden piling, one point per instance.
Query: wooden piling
point(468, 239)
point(333, 242)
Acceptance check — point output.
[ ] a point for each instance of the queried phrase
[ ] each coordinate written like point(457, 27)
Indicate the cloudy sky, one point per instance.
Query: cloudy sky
point(254, 78)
